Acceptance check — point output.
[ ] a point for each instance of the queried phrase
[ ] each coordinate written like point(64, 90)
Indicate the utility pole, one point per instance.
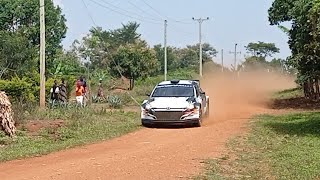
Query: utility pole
point(42, 56)
point(165, 50)
point(235, 56)
point(200, 20)
point(222, 60)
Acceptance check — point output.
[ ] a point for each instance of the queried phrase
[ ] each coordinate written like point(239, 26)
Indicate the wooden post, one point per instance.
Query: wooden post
point(42, 56)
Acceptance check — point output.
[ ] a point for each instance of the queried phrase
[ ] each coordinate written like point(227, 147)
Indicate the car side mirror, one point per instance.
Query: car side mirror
point(147, 94)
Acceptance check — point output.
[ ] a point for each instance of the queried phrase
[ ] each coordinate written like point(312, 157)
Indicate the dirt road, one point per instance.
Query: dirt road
point(158, 153)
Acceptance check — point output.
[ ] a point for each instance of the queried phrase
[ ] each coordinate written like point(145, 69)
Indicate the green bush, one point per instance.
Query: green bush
point(27, 89)
point(19, 89)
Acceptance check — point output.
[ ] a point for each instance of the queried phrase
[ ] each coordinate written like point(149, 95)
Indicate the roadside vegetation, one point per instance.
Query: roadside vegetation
point(288, 94)
point(277, 146)
point(45, 132)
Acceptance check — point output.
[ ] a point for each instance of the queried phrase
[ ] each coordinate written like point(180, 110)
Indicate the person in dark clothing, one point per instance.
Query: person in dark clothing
point(55, 91)
point(63, 91)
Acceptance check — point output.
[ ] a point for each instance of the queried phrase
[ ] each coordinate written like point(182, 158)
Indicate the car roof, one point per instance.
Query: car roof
point(176, 82)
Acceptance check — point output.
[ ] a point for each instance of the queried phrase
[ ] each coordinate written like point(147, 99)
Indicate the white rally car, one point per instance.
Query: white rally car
point(177, 102)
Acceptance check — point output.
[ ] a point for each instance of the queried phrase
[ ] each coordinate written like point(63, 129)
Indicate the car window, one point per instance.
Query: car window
point(174, 91)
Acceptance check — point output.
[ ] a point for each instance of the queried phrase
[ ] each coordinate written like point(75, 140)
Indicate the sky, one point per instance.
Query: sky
point(230, 22)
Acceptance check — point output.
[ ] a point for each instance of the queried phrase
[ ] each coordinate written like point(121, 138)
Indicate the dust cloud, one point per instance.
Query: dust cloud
point(234, 97)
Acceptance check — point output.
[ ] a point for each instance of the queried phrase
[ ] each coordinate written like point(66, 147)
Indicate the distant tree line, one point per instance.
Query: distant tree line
point(103, 53)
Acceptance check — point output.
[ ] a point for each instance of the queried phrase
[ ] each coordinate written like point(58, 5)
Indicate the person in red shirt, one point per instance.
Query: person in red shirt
point(79, 93)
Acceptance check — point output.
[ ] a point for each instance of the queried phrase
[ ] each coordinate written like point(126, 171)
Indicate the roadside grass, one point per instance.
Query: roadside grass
point(278, 147)
point(288, 94)
point(293, 99)
point(78, 127)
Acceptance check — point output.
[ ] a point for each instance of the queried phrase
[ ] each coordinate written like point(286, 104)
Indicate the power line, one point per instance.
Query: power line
point(143, 11)
point(182, 30)
point(160, 15)
point(107, 49)
point(91, 17)
point(89, 14)
point(130, 12)
point(101, 5)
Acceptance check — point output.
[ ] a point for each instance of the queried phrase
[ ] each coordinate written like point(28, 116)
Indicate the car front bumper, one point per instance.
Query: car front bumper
point(169, 118)
point(169, 122)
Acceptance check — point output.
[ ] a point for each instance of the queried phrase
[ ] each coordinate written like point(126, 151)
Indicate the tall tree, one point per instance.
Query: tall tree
point(303, 36)
point(17, 56)
point(262, 49)
point(134, 61)
point(20, 18)
point(127, 34)
point(101, 45)
point(172, 61)
point(208, 51)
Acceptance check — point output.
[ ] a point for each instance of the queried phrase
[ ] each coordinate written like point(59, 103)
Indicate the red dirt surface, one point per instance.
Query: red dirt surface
point(34, 127)
point(161, 153)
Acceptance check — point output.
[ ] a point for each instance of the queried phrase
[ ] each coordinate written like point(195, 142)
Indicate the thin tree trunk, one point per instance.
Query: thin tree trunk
point(306, 90)
point(312, 91)
point(317, 89)
point(6, 115)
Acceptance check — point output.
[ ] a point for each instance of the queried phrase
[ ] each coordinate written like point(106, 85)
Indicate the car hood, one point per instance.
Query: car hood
point(169, 102)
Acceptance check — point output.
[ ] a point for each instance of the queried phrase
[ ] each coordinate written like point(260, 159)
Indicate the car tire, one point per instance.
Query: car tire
point(146, 125)
point(198, 123)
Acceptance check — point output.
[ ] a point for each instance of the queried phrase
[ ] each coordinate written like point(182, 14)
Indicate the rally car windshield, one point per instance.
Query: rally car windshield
point(174, 91)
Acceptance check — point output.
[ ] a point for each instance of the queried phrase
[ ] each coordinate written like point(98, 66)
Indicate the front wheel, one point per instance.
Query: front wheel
point(198, 123)
point(147, 125)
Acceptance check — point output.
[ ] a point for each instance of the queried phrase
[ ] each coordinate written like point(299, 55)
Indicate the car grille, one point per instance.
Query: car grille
point(168, 115)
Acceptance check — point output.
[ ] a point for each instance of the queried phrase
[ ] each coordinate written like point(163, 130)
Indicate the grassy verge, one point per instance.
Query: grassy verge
point(58, 129)
point(278, 147)
point(289, 93)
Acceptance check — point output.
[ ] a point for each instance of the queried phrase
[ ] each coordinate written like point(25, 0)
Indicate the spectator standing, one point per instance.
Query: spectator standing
point(63, 92)
point(54, 92)
point(80, 93)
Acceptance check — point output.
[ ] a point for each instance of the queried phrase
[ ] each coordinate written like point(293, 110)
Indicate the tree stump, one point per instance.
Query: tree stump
point(6, 115)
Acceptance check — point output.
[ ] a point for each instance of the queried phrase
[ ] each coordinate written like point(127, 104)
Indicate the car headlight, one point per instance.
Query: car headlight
point(190, 107)
point(147, 107)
